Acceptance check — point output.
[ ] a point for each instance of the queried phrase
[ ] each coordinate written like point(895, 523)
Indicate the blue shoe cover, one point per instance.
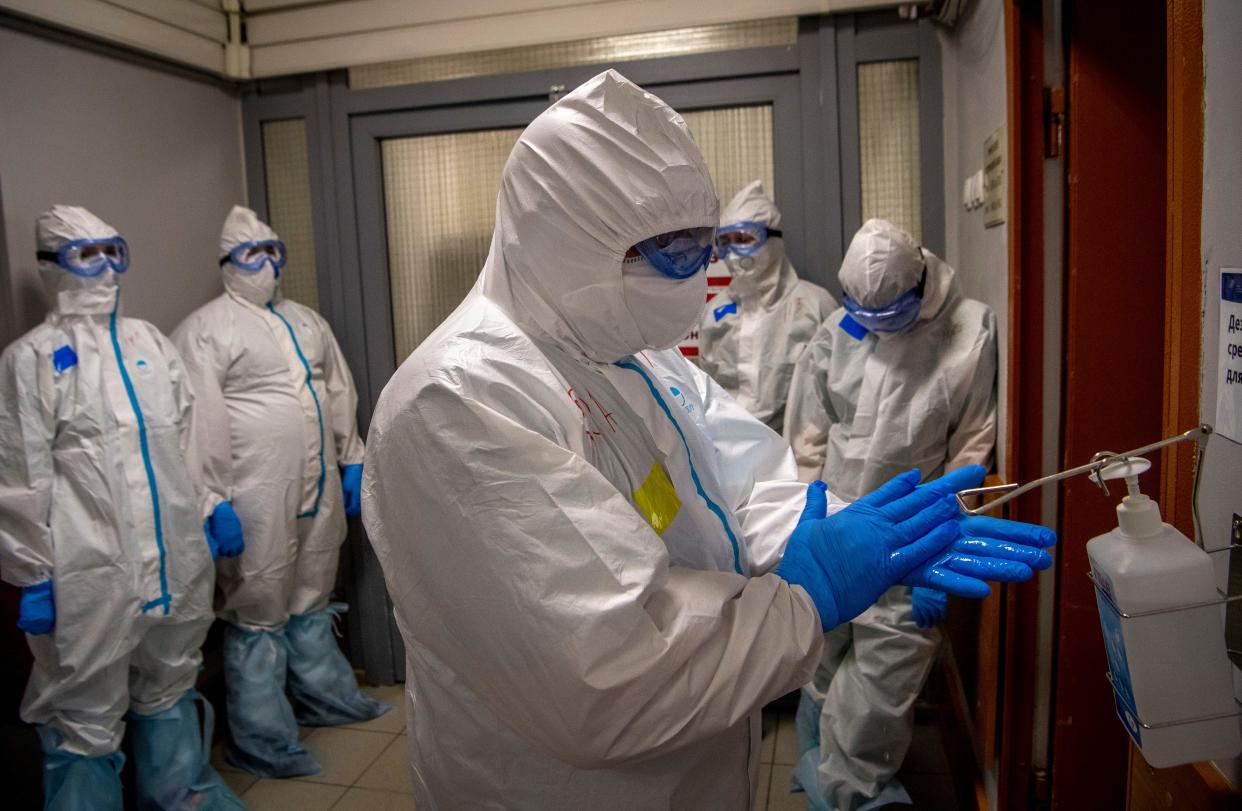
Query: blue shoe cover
point(321, 681)
point(171, 750)
point(265, 733)
point(76, 783)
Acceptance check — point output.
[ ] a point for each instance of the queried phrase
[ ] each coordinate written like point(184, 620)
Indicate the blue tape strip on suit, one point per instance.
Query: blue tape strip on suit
point(694, 474)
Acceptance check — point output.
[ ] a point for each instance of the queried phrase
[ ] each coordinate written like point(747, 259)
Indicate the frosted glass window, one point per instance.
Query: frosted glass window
point(440, 205)
point(737, 145)
point(888, 143)
point(286, 170)
point(699, 39)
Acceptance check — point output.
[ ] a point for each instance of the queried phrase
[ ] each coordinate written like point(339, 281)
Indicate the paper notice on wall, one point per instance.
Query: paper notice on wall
point(995, 183)
point(1229, 365)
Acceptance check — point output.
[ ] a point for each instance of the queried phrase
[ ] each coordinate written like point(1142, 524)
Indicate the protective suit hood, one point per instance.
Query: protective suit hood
point(260, 287)
point(71, 294)
point(768, 274)
point(605, 167)
point(883, 262)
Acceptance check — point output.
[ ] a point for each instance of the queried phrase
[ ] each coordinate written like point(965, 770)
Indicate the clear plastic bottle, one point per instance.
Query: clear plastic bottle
point(1165, 667)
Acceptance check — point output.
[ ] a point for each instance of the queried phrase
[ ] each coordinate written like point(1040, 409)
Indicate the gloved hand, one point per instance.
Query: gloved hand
point(930, 607)
point(987, 549)
point(351, 483)
point(846, 561)
point(224, 532)
point(37, 614)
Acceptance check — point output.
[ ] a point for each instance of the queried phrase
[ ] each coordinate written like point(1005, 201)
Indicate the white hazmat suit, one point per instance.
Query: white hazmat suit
point(753, 333)
point(97, 495)
point(577, 533)
point(863, 407)
point(277, 411)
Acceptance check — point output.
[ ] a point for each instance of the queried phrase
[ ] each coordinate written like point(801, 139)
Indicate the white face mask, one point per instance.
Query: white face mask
point(664, 309)
point(740, 265)
point(258, 287)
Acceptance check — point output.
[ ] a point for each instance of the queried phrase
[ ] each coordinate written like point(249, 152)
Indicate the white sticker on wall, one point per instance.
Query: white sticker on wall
point(1229, 365)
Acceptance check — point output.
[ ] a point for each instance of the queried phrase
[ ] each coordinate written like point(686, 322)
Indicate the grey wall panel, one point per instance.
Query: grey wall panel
point(155, 154)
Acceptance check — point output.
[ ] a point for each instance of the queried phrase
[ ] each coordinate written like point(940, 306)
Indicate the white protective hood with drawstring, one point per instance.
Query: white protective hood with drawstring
point(576, 530)
point(752, 334)
point(97, 495)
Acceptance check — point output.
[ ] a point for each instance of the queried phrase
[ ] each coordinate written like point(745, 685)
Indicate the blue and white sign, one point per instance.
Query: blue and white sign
point(1229, 365)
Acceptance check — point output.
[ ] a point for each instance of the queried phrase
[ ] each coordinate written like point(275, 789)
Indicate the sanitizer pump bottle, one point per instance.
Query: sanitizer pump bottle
point(1172, 679)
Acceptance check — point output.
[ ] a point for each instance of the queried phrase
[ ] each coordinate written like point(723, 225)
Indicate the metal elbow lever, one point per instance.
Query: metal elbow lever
point(1098, 462)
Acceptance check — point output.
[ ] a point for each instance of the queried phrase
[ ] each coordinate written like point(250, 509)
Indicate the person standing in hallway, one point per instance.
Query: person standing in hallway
point(279, 427)
point(102, 527)
point(903, 375)
point(751, 335)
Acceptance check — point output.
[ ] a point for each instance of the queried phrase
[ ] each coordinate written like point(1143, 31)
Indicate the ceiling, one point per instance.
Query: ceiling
point(252, 39)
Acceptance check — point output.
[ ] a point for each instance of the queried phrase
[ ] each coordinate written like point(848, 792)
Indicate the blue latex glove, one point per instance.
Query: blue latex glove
point(846, 561)
point(930, 607)
point(908, 519)
point(987, 548)
point(224, 532)
point(351, 483)
point(37, 614)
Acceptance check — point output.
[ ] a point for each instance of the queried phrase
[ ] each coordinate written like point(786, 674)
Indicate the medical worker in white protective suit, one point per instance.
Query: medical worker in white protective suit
point(582, 534)
point(102, 527)
point(277, 405)
point(752, 334)
point(903, 375)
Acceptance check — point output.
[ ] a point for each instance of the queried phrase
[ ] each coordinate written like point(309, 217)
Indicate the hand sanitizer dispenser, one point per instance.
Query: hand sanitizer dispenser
point(1163, 633)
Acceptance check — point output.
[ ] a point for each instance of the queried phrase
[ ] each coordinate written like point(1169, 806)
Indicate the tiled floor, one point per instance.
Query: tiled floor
point(366, 768)
point(925, 773)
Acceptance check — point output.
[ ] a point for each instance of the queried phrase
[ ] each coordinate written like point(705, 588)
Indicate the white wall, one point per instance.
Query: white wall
point(1221, 487)
point(973, 56)
point(156, 155)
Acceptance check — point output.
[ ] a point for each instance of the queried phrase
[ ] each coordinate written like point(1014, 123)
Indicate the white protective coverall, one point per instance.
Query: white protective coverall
point(577, 534)
point(861, 411)
point(752, 334)
point(96, 494)
point(277, 410)
point(278, 403)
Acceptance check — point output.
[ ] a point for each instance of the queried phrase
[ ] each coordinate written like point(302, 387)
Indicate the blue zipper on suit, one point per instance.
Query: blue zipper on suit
point(165, 599)
point(313, 511)
point(694, 474)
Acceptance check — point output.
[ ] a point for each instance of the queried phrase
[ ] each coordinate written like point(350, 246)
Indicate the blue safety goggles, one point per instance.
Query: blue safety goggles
point(678, 254)
point(90, 257)
point(252, 256)
point(743, 238)
point(892, 317)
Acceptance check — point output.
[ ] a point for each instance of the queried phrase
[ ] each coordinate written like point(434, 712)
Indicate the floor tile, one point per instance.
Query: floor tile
point(785, 750)
point(344, 753)
point(291, 795)
point(768, 745)
point(238, 781)
point(761, 791)
point(369, 799)
point(391, 721)
point(780, 798)
point(391, 770)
